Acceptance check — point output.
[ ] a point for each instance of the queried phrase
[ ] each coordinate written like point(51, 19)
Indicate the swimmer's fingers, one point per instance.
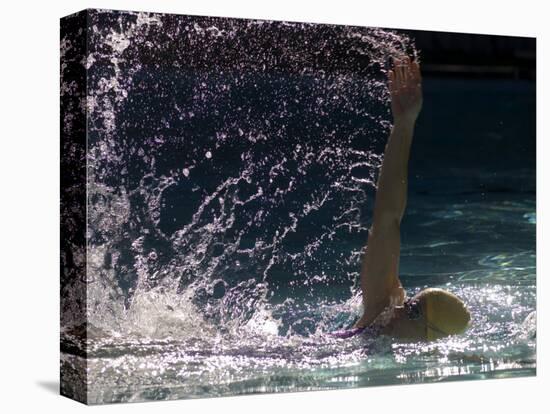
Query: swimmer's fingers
point(392, 83)
point(416, 75)
point(397, 80)
point(417, 83)
point(401, 73)
point(407, 71)
point(415, 66)
point(395, 71)
point(405, 76)
point(413, 76)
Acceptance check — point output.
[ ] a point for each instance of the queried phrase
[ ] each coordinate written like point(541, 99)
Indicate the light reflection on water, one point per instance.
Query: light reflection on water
point(497, 345)
point(286, 347)
point(218, 261)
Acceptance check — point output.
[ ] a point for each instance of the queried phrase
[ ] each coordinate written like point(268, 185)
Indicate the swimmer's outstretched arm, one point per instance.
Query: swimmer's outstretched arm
point(380, 266)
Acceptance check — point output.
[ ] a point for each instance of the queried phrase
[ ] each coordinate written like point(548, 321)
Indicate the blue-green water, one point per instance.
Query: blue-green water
point(469, 230)
point(227, 211)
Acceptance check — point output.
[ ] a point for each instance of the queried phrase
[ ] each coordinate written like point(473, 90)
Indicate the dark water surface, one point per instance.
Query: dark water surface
point(228, 208)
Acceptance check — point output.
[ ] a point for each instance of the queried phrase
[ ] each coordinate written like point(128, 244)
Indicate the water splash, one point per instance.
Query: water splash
point(230, 168)
point(227, 161)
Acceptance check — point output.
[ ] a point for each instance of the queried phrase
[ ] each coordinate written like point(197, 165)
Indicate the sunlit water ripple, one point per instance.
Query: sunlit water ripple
point(227, 210)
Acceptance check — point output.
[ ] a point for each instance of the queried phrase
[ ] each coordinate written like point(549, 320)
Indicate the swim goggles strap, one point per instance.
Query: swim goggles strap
point(347, 333)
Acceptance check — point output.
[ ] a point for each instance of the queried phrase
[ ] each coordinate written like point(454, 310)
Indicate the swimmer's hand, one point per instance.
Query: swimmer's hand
point(405, 85)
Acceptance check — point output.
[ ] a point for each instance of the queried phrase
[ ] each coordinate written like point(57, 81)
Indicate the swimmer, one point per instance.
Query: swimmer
point(432, 313)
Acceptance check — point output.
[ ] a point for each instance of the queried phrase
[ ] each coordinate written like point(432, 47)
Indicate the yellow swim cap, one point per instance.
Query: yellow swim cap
point(444, 313)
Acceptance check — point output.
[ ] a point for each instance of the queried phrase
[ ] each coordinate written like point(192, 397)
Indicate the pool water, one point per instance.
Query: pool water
point(227, 212)
point(468, 228)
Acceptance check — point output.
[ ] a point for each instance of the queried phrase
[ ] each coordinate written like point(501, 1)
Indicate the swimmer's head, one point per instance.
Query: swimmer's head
point(443, 313)
point(430, 314)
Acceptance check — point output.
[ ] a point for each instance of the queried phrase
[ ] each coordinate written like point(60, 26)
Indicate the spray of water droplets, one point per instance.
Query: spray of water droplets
point(230, 168)
point(230, 165)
